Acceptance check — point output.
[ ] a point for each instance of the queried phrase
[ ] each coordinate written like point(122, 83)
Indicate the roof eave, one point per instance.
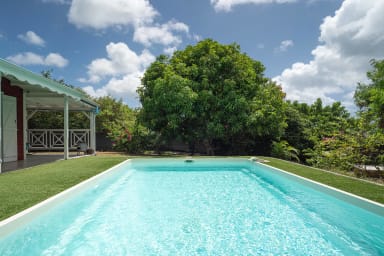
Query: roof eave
point(25, 76)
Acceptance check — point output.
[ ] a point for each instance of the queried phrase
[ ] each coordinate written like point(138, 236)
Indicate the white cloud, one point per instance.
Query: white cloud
point(55, 59)
point(124, 88)
point(32, 38)
point(99, 14)
point(160, 34)
point(348, 41)
point(27, 58)
point(196, 37)
point(226, 5)
point(119, 14)
point(30, 58)
point(123, 67)
point(284, 45)
point(121, 61)
point(170, 50)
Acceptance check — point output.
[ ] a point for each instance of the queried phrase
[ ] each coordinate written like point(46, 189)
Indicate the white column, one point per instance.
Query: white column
point(92, 126)
point(66, 130)
point(25, 124)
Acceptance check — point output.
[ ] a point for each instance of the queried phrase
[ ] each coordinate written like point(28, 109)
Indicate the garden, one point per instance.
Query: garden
point(212, 99)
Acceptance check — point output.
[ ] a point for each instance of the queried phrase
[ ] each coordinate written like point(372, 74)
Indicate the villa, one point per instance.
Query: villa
point(23, 93)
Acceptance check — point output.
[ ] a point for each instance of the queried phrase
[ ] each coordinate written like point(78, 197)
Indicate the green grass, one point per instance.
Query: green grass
point(22, 189)
point(358, 187)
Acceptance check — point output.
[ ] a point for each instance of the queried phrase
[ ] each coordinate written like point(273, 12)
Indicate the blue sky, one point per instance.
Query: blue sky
point(313, 48)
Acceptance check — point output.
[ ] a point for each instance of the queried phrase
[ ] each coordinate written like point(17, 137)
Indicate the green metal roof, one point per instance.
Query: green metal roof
point(27, 78)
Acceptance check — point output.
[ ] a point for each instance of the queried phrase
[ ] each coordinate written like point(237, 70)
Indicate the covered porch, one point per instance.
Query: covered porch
point(35, 159)
point(23, 94)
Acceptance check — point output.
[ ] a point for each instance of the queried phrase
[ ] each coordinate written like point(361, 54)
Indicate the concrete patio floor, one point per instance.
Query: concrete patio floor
point(34, 159)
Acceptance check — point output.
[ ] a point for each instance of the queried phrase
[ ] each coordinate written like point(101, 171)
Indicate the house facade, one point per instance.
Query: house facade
point(23, 93)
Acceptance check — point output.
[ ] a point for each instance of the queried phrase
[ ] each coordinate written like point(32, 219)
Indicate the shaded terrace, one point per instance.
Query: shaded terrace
point(23, 93)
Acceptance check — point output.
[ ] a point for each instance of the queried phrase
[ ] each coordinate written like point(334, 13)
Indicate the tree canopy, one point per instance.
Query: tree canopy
point(114, 115)
point(212, 95)
point(370, 97)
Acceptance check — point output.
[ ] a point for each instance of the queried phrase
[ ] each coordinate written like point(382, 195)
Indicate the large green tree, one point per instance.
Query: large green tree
point(297, 134)
point(311, 125)
point(118, 121)
point(113, 115)
point(370, 100)
point(213, 95)
point(370, 97)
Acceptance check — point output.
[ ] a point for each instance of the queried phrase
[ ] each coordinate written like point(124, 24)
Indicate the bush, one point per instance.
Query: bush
point(283, 150)
point(135, 141)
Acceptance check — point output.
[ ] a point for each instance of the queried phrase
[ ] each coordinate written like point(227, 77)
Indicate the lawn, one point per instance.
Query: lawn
point(355, 186)
point(22, 189)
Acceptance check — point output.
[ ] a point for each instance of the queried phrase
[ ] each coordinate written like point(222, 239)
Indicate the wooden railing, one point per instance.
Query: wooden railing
point(52, 139)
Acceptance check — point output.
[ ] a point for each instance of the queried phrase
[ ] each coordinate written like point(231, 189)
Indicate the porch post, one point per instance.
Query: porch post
point(92, 124)
point(66, 132)
point(25, 124)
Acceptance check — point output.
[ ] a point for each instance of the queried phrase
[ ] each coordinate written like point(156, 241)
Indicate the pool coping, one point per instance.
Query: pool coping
point(359, 201)
point(11, 223)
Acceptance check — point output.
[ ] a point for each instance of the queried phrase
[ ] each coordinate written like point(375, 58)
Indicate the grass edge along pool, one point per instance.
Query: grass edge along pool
point(10, 224)
point(359, 201)
point(18, 220)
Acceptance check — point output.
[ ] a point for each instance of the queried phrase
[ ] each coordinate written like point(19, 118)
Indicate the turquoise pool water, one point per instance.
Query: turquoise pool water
point(207, 207)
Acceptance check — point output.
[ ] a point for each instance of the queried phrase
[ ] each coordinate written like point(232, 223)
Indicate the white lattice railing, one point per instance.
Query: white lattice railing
point(51, 139)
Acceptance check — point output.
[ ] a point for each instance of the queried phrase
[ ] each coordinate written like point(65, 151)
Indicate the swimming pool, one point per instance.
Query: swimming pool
point(206, 207)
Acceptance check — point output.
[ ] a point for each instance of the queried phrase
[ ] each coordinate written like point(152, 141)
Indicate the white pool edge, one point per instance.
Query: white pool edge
point(18, 219)
point(9, 224)
point(362, 202)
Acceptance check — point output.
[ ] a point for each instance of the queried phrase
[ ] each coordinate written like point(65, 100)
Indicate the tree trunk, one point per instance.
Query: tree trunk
point(208, 147)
